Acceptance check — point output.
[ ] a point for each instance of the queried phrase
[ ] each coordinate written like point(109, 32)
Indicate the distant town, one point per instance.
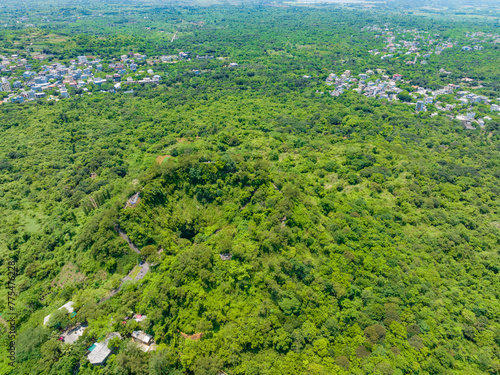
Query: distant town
point(54, 81)
point(456, 101)
point(88, 75)
point(26, 84)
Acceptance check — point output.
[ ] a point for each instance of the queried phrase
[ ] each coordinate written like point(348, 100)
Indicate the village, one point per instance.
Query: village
point(302, 187)
point(400, 42)
point(456, 101)
point(56, 80)
point(100, 350)
point(464, 107)
point(70, 329)
point(92, 75)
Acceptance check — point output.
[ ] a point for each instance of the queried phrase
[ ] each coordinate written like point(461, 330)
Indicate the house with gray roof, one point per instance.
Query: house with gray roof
point(142, 337)
point(100, 351)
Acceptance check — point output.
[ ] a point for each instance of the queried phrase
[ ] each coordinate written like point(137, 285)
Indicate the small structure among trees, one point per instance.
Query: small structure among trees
point(142, 337)
point(101, 351)
point(133, 200)
point(57, 318)
point(226, 256)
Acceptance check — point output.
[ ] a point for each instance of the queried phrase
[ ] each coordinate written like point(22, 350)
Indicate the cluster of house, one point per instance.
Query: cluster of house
point(184, 56)
point(421, 44)
point(470, 118)
point(342, 83)
point(473, 48)
point(463, 97)
point(100, 351)
point(25, 83)
point(482, 37)
point(37, 19)
point(187, 56)
point(385, 87)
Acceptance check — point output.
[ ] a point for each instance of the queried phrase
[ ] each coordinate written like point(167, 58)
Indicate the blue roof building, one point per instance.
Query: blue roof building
point(17, 99)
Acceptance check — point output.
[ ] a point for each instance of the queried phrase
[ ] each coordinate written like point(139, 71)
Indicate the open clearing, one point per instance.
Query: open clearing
point(160, 158)
point(69, 274)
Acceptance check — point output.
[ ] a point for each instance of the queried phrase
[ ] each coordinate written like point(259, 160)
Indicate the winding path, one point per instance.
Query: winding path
point(144, 267)
point(123, 235)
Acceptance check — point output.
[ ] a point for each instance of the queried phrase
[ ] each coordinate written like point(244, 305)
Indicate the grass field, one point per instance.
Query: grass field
point(135, 272)
point(160, 158)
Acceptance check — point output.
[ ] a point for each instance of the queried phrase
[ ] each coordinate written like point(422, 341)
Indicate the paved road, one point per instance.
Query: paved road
point(144, 270)
point(71, 336)
point(144, 267)
point(123, 235)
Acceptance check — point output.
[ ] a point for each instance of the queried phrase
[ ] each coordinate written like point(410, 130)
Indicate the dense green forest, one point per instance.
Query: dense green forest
point(363, 236)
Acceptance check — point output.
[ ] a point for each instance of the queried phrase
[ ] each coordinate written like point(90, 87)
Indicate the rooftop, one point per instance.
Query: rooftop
point(142, 336)
point(68, 306)
point(101, 351)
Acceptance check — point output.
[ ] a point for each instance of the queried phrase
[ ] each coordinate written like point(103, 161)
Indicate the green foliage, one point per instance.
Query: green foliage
point(115, 342)
point(404, 96)
point(29, 343)
point(163, 361)
point(58, 319)
point(288, 232)
point(131, 361)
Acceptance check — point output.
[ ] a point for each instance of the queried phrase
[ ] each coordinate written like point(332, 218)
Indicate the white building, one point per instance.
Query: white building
point(5, 85)
point(101, 352)
point(142, 337)
point(68, 306)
